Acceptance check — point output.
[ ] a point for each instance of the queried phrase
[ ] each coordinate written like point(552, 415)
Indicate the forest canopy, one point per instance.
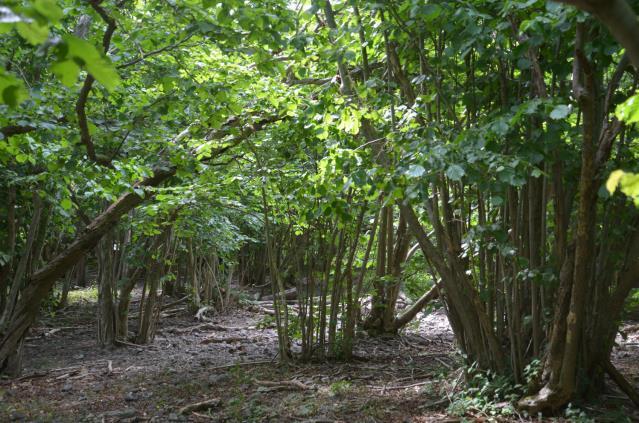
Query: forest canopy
point(344, 154)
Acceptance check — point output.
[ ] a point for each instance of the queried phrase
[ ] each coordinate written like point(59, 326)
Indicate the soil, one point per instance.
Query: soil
point(230, 360)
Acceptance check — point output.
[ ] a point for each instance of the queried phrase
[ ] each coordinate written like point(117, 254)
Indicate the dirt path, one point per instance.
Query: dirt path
point(231, 359)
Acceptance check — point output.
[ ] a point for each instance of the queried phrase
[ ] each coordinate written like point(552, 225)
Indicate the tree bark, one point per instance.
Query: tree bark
point(40, 282)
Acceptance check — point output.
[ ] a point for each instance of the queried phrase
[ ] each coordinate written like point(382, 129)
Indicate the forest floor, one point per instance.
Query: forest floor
point(230, 360)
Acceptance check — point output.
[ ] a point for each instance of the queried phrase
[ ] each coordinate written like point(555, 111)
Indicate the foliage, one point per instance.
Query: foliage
point(487, 393)
point(286, 129)
point(340, 388)
point(626, 182)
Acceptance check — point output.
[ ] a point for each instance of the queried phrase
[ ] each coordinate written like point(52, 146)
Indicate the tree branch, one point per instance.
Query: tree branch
point(80, 105)
point(10, 130)
point(620, 20)
point(145, 56)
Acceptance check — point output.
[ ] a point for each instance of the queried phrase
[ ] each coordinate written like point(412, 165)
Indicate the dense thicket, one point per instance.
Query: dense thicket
point(350, 149)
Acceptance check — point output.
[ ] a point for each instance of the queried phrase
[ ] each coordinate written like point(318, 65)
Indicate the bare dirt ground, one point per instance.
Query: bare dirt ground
point(231, 361)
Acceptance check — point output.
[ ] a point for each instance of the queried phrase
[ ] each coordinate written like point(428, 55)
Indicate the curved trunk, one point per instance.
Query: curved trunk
point(41, 282)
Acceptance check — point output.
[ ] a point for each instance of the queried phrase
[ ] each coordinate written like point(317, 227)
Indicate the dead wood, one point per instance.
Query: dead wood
point(283, 384)
point(622, 382)
point(241, 363)
point(200, 406)
point(214, 340)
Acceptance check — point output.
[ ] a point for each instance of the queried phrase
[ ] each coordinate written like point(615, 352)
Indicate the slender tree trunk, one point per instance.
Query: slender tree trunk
point(106, 287)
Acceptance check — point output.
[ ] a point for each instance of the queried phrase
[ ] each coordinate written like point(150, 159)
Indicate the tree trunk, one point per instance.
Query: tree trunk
point(41, 281)
point(106, 287)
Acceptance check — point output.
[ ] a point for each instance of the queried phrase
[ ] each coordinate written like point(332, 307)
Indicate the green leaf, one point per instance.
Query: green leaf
point(66, 204)
point(415, 171)
point(627, 182)
point(613, 180)
point(12, 90)
point(139, 191)
point(49, 9)
point(628, 111)
point(100, 67)
point(630, 184)
point(455, 172)
point(560, 112)
point(33, 32)
point(67, 71)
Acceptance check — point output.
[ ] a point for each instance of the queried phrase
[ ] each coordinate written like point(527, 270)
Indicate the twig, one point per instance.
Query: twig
point(200, 406)
point(448, 366)
point(435, 403)
point(242, 363)
point(284, 384)
point(169, 305)
point(392, 388)
point(214, 340)
point(203, 327)
point(122, 343)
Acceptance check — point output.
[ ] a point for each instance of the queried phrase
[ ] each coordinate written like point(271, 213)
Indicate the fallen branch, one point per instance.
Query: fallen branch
point(213, 340)
point(435, 403)
point(622, 382)
point(242, 363)
point(392, 388)
point(203, 416)
point(448, 366)
point(201, 328)
point(53, 331)
point(66, 375)
point(172, 313)
point(122, 343)
point(200, 313)
point(296, 384)
point(180, 301)
point(200, 406)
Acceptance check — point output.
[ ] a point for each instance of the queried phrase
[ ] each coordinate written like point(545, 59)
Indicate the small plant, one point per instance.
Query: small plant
point(294, 328)
point(235, 406)
point(266, 322)
point(577, 415)
point(487, 393)
point(340, 388)
point(240, 377)
point(532, 372)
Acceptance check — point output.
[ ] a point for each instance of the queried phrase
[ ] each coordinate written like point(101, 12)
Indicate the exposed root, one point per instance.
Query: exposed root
point(546, 400)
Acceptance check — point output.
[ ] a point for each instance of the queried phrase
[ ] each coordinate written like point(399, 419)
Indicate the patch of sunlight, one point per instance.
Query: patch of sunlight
point(85, 295)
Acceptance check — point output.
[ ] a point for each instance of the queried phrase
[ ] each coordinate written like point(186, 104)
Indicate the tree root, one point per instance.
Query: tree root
point(548, 399)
